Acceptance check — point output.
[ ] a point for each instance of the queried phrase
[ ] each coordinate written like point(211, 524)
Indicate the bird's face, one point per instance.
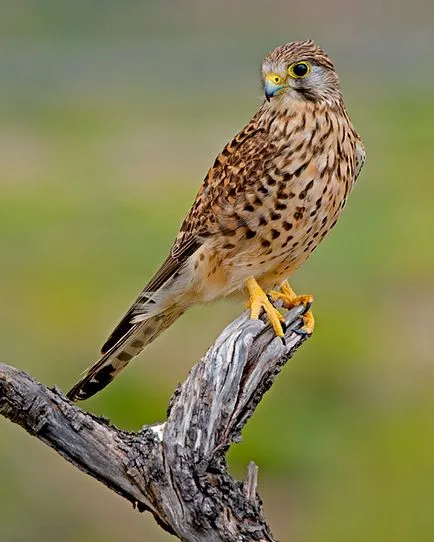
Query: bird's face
point(300, 70)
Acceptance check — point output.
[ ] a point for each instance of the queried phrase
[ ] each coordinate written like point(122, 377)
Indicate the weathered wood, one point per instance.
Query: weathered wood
point(176, 469)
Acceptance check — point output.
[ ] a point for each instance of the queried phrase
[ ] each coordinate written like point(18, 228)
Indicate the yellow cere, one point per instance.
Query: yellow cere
point(275, 78)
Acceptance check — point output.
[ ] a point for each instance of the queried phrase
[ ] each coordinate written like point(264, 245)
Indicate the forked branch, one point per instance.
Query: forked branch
point(176, 469)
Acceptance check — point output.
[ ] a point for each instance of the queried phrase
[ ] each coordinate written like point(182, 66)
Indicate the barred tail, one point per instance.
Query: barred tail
point(129, 345)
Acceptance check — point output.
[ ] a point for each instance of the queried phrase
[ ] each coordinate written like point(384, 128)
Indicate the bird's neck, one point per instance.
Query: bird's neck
point(284, 119)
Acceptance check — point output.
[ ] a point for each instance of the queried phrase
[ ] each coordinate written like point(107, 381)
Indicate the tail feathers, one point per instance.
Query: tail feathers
point(122, 352)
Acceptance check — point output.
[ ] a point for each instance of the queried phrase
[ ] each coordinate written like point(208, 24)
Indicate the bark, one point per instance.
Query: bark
point(176, 469)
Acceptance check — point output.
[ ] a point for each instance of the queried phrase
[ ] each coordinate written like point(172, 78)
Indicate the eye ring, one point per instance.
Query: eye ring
point(299, 70)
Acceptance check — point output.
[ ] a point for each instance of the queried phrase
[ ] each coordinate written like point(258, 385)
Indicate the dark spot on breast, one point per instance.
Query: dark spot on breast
point(228, 246)
point(201, 256)
point(288, 239)
point(265, 243)
point(303, 156)
point(250, 234)
point(263, 189)
point(263, 221)
point(299, 211)
point(275, 216)
point(306, 189)
point(309, 185)
point(249, 207)
point(280, 206)
point(287, 225)
point(275, 234)
point(297, 148)
point(300, 170)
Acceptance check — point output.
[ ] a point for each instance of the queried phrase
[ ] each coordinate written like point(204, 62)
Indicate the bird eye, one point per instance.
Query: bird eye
point(298, 70)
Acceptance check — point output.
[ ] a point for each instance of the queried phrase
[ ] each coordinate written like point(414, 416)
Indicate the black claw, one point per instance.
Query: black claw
point(283, 341)
point(284, 327)
point(307, 307)
point(302, 332)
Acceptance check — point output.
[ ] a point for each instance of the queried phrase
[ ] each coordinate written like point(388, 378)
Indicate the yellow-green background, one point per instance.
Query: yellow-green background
point(110, 114)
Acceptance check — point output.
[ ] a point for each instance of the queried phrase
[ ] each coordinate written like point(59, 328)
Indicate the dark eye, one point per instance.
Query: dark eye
point(298, 70)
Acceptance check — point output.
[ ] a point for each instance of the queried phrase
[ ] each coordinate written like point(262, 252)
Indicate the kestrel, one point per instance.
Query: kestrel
point(270, 197)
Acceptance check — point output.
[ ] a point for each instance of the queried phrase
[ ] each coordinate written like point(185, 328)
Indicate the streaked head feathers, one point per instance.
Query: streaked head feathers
point(300, 70)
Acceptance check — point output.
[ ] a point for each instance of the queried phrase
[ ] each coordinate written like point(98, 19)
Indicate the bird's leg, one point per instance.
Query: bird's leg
point(258, 300)
point(291, 299)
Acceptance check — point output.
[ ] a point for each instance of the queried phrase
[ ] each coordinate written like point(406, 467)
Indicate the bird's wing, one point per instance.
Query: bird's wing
point(199, 223)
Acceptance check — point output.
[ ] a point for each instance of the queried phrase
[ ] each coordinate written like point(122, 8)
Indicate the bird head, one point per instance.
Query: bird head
point(300, 71)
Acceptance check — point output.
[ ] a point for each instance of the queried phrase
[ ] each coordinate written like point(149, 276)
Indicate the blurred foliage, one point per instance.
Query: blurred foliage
point(110, 116)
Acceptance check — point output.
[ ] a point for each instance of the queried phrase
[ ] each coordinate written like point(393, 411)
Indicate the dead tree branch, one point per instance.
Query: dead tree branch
point(176, 469)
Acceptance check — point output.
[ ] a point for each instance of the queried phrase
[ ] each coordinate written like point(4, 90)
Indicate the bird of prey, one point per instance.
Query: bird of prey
point(270, 197)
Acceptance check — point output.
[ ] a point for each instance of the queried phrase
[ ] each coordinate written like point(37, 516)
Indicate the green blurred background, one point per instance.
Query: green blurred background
point(110, 114)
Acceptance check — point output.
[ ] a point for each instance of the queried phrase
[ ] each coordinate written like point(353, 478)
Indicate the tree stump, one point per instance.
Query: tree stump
point(176, 469)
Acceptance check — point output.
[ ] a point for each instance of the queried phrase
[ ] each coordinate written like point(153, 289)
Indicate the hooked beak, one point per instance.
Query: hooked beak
point(272, 88)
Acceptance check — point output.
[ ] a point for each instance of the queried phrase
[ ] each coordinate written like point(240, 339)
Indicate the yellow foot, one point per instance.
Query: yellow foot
point(258, 301)
point(290, 299)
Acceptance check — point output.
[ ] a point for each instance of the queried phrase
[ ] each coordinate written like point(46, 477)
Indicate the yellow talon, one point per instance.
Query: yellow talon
point(258, 301)
point(291, 299)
